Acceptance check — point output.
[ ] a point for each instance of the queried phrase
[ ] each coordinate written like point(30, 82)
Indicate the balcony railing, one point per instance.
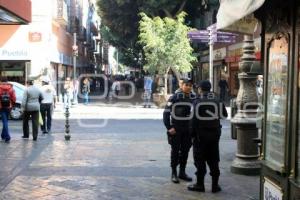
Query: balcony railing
point(60, 12)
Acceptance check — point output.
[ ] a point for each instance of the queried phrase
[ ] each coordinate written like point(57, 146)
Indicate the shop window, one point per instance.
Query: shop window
point(276, 103)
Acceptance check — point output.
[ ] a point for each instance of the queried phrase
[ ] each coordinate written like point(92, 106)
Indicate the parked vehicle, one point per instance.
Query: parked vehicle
point(16, 112)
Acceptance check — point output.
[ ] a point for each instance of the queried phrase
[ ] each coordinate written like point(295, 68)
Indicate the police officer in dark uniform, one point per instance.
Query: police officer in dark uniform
point(177, 119)
point(206, 132)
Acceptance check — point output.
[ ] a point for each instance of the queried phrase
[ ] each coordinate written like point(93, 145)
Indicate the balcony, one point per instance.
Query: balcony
point(60, 12)
point(82, 35)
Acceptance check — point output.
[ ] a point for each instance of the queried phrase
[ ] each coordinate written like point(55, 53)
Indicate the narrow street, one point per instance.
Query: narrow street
point(114, 153)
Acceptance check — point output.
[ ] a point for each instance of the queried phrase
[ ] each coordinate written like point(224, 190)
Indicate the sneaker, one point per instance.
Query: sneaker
point(174, 178)
point(45, 132)
point(25, 137)
point(34, 139)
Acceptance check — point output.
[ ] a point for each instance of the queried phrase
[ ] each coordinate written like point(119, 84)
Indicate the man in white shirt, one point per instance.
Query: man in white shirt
point(47, 104)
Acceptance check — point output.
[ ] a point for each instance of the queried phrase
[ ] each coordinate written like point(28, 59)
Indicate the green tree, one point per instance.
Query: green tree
point(120, 21)
point(166, 44)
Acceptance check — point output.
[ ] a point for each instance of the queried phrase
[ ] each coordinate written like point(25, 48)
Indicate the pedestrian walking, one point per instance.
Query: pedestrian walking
point(147, 91)
point(7, 100)
point(75, 91)
point(86, 90)
point(31, 103)
point(223, 88)
point(68, 95)
point(176, 118)
point(47, 104)
point(206, 132)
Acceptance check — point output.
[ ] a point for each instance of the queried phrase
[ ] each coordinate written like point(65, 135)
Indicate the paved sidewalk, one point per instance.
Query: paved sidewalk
point(127, 158)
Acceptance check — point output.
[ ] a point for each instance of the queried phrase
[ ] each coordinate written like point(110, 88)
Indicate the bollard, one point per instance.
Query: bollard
point(67, 125)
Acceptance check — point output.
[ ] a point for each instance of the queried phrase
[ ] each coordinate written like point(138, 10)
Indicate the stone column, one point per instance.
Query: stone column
point(246, 161)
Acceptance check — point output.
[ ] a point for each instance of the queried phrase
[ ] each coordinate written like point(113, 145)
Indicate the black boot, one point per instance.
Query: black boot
point(198, 186)
point(174, 177)
point(215, 185)
point(183, 175)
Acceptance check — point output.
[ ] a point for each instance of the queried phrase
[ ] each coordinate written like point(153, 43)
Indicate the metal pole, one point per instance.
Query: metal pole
point(75, 100)
point(211, 60)
point(74, 57)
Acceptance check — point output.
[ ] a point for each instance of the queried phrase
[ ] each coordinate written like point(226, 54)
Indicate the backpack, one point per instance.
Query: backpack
point(5, 99)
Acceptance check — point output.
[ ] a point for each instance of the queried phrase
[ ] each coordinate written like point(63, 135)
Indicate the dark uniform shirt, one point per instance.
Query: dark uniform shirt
point(208, 112)
point(178, 109)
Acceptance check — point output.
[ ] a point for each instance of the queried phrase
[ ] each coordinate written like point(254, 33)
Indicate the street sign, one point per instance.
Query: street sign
point(197, 32)
point(201, 41)
point(211, 34)
point(195, 37)
point(227, 33)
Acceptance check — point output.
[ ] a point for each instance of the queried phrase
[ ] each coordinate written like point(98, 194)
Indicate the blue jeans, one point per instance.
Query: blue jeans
point(4, 116)
point(86, 98)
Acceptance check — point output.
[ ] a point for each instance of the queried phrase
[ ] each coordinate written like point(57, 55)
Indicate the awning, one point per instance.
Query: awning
point(15, 11)
point(231, 11)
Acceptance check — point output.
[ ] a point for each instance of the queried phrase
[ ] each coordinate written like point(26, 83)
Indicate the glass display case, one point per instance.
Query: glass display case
point(298, 130)
point(276, 103)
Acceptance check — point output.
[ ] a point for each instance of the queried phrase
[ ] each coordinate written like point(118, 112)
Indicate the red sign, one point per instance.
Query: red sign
point(35, 37)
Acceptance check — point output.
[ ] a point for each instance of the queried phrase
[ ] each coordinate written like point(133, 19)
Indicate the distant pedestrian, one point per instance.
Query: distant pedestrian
point(176, 118)
point(206, 132)
point(68, 95)
point(7, 100)
point(108, 85)
point(47, 104)
point(86, 90)
point(116, 87)
point(223, 88)
point(179, 85)
point(31, 103)
point(75, 91)
point(174, 83)
point(147, 91)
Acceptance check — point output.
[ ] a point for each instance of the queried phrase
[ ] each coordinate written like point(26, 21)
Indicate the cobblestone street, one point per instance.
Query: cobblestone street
point(114, 153)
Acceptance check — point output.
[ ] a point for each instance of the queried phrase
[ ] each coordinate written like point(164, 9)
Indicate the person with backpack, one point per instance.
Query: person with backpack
point(31, 103)
point(206, 132)
point(7, 100)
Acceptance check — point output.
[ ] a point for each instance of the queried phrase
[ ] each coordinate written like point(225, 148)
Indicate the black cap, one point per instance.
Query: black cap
point(205, 85)
point(187, 81)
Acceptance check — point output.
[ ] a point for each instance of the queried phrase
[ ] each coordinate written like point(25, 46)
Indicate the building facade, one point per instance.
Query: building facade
point(46, 45)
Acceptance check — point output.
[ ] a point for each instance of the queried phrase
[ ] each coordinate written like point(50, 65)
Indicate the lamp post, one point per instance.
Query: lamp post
point(246, 161)
point(75, 54)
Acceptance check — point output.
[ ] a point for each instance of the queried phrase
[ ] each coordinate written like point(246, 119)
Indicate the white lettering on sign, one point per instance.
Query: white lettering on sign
point(272, 191)
point(14, 54)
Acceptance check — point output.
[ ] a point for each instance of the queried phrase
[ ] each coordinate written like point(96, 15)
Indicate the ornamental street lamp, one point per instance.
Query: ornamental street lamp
point(246, 161)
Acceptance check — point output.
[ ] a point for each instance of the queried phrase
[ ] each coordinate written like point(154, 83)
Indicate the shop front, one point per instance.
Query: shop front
point(280, 174)
point(15, 64)
point(14, 70)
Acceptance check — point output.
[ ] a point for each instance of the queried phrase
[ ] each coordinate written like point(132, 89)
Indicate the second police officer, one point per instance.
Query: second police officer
point(208, 111)
point(176, 117)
